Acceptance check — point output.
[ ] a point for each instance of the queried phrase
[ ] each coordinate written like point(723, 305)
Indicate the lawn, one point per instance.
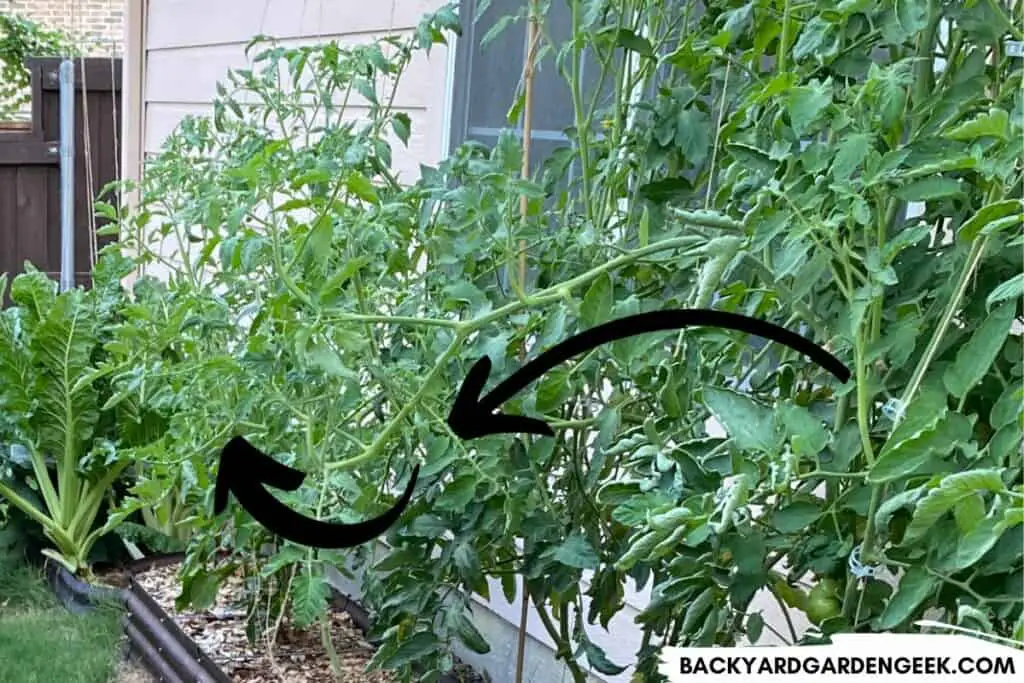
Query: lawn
point(41, 641)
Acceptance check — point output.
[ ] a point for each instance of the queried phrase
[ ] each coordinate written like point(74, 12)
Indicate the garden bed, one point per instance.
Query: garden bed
point(211, 646)
point(298, 655)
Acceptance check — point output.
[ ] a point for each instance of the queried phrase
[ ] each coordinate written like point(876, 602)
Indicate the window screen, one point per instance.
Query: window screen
point(487, 79)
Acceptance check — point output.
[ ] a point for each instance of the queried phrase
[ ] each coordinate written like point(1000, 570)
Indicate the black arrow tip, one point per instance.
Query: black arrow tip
point(471, 418)
point(242, 465)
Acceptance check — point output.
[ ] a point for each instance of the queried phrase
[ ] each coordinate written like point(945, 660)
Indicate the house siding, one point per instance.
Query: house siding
point(185, 58)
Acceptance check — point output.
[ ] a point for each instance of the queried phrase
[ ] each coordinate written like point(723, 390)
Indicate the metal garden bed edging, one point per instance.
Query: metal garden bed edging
point(339, 600)
point(154, 638)
point(147, 624)
point(74, 594)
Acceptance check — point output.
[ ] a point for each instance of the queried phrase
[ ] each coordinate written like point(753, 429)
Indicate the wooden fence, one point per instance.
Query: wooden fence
point(30, 167)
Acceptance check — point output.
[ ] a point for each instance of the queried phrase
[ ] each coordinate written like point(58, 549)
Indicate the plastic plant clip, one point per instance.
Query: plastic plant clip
point(858, 569)
point(894, 409)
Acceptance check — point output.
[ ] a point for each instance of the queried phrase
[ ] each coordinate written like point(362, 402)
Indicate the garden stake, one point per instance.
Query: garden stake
point(532, 33)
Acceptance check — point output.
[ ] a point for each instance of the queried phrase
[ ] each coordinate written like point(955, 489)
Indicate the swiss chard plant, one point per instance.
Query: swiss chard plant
point(850, 171)
point(66, 436)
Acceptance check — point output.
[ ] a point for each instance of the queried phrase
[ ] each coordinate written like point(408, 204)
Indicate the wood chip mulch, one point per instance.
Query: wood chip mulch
point(298, 656)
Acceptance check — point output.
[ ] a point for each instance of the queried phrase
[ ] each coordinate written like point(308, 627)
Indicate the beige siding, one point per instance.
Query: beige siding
point(191, 44)
point(175, 23)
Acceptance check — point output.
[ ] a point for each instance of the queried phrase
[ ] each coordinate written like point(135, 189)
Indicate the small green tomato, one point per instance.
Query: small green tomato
point(823, 602)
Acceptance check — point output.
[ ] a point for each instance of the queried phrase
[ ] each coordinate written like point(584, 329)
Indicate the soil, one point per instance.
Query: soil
point(115, 577)
point(297, 656)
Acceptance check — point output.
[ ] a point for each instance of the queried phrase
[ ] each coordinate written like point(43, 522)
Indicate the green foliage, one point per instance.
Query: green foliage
point(328, 310)
point(66, 441)
point(21, 38)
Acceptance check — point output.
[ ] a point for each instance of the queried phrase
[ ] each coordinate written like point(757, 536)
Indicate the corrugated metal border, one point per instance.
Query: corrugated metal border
point(161, 646)
point(153, 626)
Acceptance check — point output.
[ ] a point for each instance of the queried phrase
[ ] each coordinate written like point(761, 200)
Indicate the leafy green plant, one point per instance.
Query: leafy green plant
point(160, 523)
point(21, 38)
point(817, 160)
point(202, 337)
point(58, 423)
point(756, 157)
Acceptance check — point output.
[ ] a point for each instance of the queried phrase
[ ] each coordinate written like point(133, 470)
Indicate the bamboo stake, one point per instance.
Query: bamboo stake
point(532, 33)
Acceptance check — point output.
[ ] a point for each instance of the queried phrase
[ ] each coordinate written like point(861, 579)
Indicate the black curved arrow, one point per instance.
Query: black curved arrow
point(245, 470)
point(473, 416)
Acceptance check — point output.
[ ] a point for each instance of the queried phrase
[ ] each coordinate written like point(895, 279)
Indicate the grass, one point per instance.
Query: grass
point(41, 642)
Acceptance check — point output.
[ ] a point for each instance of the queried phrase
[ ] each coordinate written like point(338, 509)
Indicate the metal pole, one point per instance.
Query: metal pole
point(67, 175)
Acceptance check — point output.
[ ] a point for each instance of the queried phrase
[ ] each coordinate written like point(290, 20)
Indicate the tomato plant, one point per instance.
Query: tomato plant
point(806, 164)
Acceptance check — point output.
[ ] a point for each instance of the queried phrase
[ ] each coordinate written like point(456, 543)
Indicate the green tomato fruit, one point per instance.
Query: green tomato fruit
point(822, 601)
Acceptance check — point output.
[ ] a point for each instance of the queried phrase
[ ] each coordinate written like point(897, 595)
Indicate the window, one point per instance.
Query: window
point(487, 79)
point(487, 76)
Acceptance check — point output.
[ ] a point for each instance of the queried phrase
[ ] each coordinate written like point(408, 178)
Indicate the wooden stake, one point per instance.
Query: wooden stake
point(532, 33)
